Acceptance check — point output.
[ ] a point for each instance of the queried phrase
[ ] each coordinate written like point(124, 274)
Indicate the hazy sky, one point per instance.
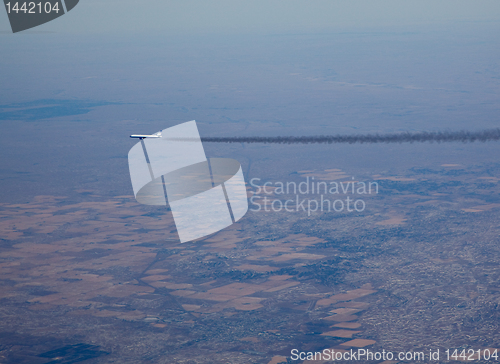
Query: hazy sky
point(260, 16)
point(342, 66)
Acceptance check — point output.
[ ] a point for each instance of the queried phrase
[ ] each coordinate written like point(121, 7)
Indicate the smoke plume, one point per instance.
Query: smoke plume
point(463, 136)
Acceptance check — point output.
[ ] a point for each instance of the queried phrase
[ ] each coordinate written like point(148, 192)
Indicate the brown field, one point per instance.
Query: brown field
point(191, 307)
point(327, 301)
point(359, 343)
point(345, 311)
point(341, 318)
point(235, 289)
point(353, 304)
point(326, 175)
point(156, 277)
point(348, 325)
point(341, 333)
point(482, 208)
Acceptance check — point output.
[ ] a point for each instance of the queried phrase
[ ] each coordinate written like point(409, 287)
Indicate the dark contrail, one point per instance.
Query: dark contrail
point(407, 137)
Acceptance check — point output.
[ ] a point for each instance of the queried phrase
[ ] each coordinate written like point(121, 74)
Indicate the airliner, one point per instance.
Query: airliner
point(143, 136)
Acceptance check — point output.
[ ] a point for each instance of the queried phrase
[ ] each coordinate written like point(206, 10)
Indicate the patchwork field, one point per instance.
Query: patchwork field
point(107, 280)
